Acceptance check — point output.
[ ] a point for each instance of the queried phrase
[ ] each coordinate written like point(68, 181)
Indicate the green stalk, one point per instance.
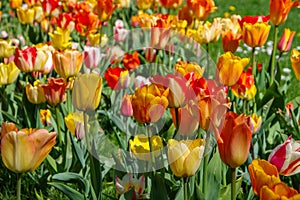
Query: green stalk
point(18, 186)
point(149, 135)
point(206, 158)
point(253, 62)
point(60, 136)
point(185, 182)
point(207, 59)
point(233, 185)
point(273, 54)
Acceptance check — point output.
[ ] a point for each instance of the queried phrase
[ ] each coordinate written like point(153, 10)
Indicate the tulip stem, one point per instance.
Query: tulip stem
point(185, 185)
point(60, 137)
point(233, 185)
point(19, 178)
point(273, 55)
point(207, 60)
point(205, 162)
point(149, 135)
point(253, 62)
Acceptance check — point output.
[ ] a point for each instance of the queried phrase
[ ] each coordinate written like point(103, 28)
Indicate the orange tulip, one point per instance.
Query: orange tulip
point(105, 9)
point(235, 139)
point(34, 143)
point(262, 173)
point(117, 78)
point(55, 91)
point(131, 61)
point(68, 62)
point(185, 14)
point(171, 3)
point(245, 87)
point(201, 8)
point(230, 41)
point(15, 3)
point(279, 9)
point(295, 60)
point(149, 103)
point(285, 42)
point(230, 68)
point(278, 191)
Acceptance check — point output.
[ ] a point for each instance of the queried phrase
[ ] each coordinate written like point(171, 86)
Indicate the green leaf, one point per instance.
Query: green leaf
point(51, 162)
point(180, 194)
point(78, 152)
point(68, 191)
point(225, 192)
point(158, 188)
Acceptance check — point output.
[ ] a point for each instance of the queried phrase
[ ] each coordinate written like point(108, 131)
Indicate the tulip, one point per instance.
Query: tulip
point(126, 106)
point(68, 62)
point(256, 122)
point(86, 93)
point(105, 9)
point(230, 68)
point(255, 30)
point(15, 3)
point(235, 139)
point(286, 157)
point(208, 32)
point(279, 10)
point(285, 42)
point(131, 61)
point(145, 4)
point(201, 8)
point(8, 73)
point(6, 48)
point(149, 103)
point(48, 50)
point(230, 41)
point(92, 56)
point(128, 182)
point(49, 6)
point(26, 15)
point(86, 22)
point(34, 143)
point(117, 78)
point(278, 191)
point(55, 91)
point(45, 117)
point(120, 33)
point(173, 4)
point(160, 31)
point(245, 87)
point(185, 156)
point(140, 146)
point(60, 39)
point(295, 60)
point(94, 39)
point(185, 14)
point(74, 121)
point(123, 3)
point(262, 173)
point(182, 68)
point(35, 94)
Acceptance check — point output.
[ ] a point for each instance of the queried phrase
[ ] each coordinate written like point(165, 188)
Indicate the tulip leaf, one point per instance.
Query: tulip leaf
point(225, 192)
point(68, 191)
point(78, 152)
point(180, 194)
point(158, 188)
point(51, 162)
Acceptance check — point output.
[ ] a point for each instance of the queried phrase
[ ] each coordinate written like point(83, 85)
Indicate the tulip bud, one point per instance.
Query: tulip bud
point(126, 106)
point(285, 42)
point(295, 60)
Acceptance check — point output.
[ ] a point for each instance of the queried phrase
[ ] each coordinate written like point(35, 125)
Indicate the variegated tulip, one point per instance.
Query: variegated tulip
point(8, 73)
point(73, 122)
point(262, 173)
point(208, 32)
point(279, 10)
point(45, 117)
point(68, 62)
point(285, 42)
point(35, 93)
point(182, 68)
point(185, 156)
point(86, 92)
point(235, 139)
point(36, 144)
point(92, 56)
point(55, 91)
point(286, 157)
point(128, 182)
point(230, 68)
point(245, 87)
point(295, 60)
point(117, 78)
point(201, 8)
point(256, 122)
point(140, 146)
point(105, 9)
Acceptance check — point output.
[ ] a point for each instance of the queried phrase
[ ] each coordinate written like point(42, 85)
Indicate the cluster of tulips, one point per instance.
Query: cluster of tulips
point(73, 75)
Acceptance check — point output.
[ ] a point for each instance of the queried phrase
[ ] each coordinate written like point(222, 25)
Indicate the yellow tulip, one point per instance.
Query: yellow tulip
point(25, 150)
point(208, 32)
point(256, 122)
point(26, 15)
point(185, 156)
point(60, 39)
point(6, 49)
point(295, 60)
point(35, 94)
point(72, 120)
point(140, 146)
point(87, 90)
point(8, 73)
point(45, 117)
point(68, 62)
point(279, 191)
point(230, 68)
point(182, 68)
point(255, 35)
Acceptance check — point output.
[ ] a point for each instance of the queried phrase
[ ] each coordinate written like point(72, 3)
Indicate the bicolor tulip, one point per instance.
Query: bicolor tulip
point(185, 156)
point(173, 4)
point(74, 122)
point(36, 144)
point(117, 78)
point(182, 68)
point(278, 191)
point(201, 8)
point(286, 157)
point(285, 42)
point(86, 92)
point(208, 32)
point(105, 9)
point(120, 32)
point(35, 93)
point(235, 139)
point(131, 61)
point(45, 117)
point(262, 173)
point(126, 106)
point(6, 48)
point(55, 91)
point(149, 103)
point(230, 41)
point(140, 146)
point(60, 39)
point(68, 62)
point(128, 182)
point(255, 30)
point(64, 21)
point(230, 68)
point(86, 22)
point(245, 87)
point(279, 10)
point(8, 73)
point(256, 122)
point(92, 56)
point(295, 60)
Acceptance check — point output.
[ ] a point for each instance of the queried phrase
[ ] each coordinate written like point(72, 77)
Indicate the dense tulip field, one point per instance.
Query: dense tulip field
point(150, 99)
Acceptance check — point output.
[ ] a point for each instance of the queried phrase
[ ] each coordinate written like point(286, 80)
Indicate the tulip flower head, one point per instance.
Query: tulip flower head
point(45, 117)
point(182, 68)
point(171, 3)
point(285, 42)
point(131, 61)
point(55, 91)
point(6, 48)
point(129, 182)
point(295, 60)
point(60, 39)
point(35, 93)
point(126, 106)
point(117, 78)
point(201, 8)
point(8, 73)
point(185, 156)
point(279, 10)
point(34, 143)
point(245, 87)
point(286, 157)
point(278, 191)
